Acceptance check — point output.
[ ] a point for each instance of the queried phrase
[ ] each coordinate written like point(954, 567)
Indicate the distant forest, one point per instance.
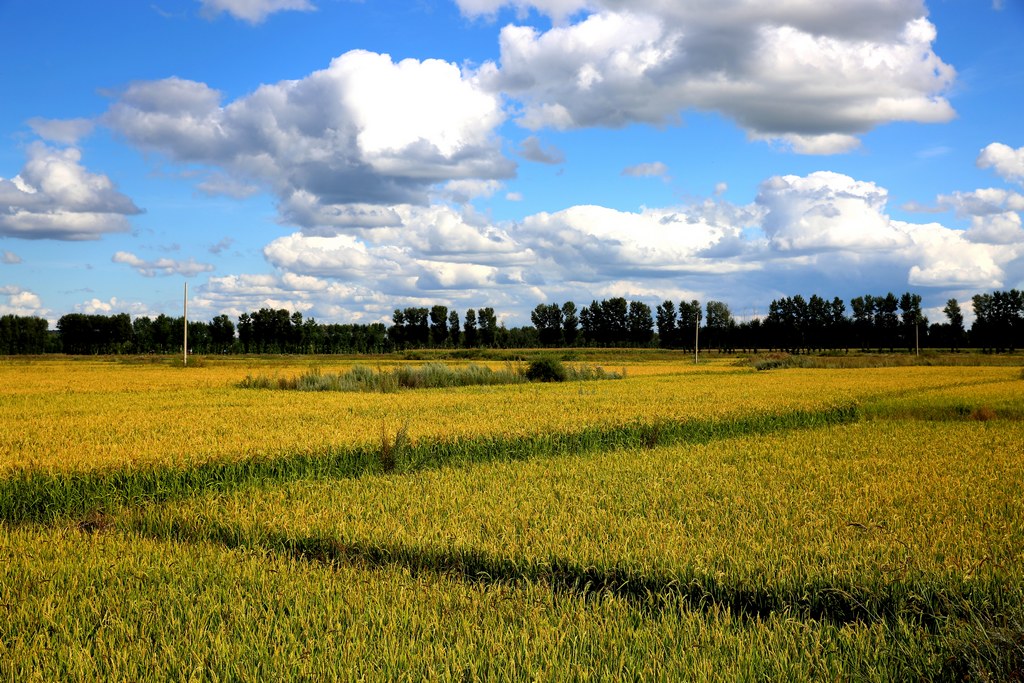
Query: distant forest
point(793, 324)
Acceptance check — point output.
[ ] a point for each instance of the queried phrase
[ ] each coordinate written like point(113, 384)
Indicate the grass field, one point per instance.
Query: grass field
point(682, 523)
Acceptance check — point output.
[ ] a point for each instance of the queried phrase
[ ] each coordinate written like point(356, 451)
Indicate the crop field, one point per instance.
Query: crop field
point(681, 522)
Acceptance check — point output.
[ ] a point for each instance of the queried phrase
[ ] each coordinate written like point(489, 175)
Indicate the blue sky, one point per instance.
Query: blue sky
point(346, 158)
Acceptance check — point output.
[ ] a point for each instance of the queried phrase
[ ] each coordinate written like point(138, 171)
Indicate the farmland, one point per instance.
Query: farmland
point(700, 522)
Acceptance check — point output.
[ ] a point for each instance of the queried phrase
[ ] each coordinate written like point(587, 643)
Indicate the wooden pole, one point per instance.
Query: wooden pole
point(184, 345)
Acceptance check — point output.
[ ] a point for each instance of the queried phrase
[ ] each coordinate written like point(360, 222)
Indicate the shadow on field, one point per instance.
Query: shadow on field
point(37, 496)
point(649, 592)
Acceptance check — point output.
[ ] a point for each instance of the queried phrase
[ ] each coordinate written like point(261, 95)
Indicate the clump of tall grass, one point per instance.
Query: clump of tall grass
point(778, 361)
point(429, 376)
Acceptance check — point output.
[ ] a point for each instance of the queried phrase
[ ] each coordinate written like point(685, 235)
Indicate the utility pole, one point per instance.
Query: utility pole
point(184, 345)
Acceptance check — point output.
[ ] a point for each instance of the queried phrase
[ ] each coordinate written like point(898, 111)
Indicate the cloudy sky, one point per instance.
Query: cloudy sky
point(345, 158)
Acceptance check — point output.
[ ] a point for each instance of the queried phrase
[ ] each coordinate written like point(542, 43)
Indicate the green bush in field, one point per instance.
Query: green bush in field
point(547, 370)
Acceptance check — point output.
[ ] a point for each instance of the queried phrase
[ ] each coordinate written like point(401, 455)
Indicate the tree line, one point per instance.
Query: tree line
point(794, 324)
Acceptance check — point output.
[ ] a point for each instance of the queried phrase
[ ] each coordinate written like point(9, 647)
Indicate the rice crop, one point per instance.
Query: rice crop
point(871, 551)
point(80, 417)
point(682, 523)
point(130, 608)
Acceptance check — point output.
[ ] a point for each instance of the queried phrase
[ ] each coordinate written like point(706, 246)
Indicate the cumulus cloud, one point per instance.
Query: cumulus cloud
point(162, 266)
point(809, 75)
point(15, 300)
point(826, 210)
point(465, 191)
point(332, 300)
point(9, 257)
point(113, 306)
point(253, 11)
point(55, 197)
point(595, 243)
point(64, 131)
point(945, 258)
point(343, 257)
point(366, 131)
point(982, 202)
point(823, 228)
point(532, 149)
point(999, 228)
point(646, 170)
point(1006, 161)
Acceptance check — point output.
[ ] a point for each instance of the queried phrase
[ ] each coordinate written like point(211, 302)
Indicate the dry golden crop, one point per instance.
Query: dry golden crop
point(61, 415)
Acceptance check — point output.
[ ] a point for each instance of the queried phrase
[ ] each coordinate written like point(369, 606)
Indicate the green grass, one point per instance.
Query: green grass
point(429, 376)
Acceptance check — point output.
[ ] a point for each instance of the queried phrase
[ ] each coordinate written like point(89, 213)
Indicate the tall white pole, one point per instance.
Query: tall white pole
point(184, 346)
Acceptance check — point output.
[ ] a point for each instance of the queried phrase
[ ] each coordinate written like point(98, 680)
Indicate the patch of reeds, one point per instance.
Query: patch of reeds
point(428, 376)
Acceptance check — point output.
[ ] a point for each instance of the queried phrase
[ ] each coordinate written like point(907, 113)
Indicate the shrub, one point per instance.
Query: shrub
point(546, 370)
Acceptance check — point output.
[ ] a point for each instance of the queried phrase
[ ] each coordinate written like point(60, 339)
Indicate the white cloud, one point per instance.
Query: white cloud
point(824, 232)
point(64, 131)
point(9, 257)
point(594, 243)
point(366, 131)
point(253, 11)
point(944, 258)
point(342, 257)
point(999, 228)
point(825, 211)
point(15, 300)
point(333, 301)
point(1006, 161)
point(810, 75)
point(654, 168)
point(55, 197)
point(162, 266)
point(982, 202)
point(113, 306)
point(465, 191)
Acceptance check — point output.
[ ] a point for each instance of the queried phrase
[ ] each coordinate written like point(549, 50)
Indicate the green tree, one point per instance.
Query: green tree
point(956, 333)
point(469, 330)
point(222, 333)
point(488, 323)
point(665, 318)
point(570, 323)
point(690, 315)
point(548, 321)
point(719, 326)
point(639, 323)
point(454, 333)
point(438, 325)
